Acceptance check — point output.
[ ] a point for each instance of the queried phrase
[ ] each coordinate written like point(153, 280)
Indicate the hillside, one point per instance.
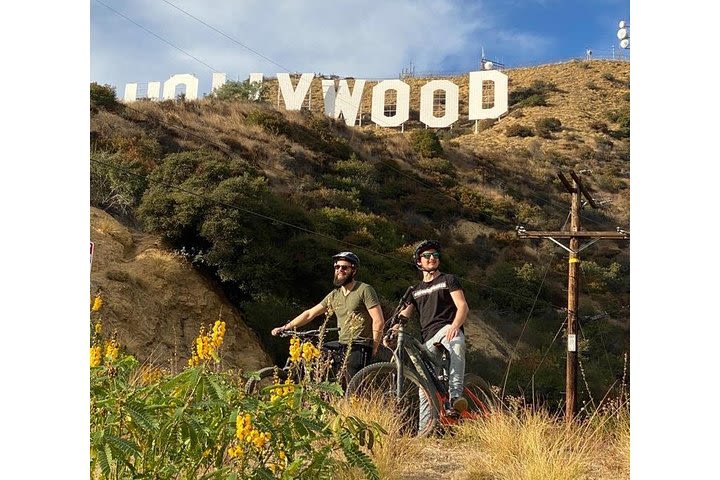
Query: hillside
point(156, 301)
point(257, 199)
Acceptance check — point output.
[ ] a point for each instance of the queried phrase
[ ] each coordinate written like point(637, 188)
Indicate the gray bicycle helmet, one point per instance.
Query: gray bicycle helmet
point(425, 245)
point(349, 256)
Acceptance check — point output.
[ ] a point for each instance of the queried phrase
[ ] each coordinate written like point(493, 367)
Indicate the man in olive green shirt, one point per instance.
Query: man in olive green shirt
point(358, 312)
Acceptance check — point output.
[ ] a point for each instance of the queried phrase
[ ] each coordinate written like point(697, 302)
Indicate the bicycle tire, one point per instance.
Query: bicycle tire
point(481, 400)
point(266, 377)
point(377, 381)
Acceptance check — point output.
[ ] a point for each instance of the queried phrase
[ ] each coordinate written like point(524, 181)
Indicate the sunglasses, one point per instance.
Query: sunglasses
point(433, 254)
point(342, 267)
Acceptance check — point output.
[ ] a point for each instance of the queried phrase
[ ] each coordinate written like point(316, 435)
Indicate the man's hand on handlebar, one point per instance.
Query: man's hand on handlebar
point(278, 330)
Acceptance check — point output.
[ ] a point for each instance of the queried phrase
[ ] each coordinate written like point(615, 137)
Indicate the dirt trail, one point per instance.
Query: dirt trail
point(439, 458)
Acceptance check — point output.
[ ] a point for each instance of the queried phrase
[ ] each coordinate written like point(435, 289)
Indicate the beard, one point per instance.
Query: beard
point(339, 282)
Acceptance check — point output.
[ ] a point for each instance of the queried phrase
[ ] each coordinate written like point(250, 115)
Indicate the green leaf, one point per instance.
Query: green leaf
point(137, 412)
point(214, 390)
point(103, 461)
point(125, 447)
point(359, 459)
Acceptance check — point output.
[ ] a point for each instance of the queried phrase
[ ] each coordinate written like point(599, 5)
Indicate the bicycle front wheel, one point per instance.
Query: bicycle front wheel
point(378, 383)
point(266, 378)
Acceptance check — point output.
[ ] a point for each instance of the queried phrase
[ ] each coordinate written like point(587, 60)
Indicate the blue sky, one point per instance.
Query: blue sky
point(142, 41)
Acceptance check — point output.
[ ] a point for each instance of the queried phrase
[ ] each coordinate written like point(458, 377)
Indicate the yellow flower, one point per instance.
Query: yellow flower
point(95, 355)
point(98, 327)
point(97, 304)
point(309, 351)
point(295, 349)
point(111, 350)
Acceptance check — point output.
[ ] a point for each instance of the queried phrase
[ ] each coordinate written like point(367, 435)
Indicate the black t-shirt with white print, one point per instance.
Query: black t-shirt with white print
point(434, 304)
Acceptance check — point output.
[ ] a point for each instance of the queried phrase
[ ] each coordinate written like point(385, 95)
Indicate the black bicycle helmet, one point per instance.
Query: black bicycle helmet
point(425, 245)
point(349, 256)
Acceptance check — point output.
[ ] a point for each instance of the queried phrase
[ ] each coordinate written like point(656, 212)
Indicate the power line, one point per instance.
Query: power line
point(548, 202)
point(227, 36)
point(306, 230)
point(212, 69)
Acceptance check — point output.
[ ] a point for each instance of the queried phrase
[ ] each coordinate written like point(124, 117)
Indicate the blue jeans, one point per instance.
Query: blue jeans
point(456, 376)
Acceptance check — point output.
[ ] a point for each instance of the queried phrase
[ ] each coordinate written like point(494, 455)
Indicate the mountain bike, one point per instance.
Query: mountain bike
point(330, 364)
point(413, 374)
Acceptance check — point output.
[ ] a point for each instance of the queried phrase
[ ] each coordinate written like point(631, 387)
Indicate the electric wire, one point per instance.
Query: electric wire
point(527, 320)
point(548, 202)
point(227, 36)
point(309, 231)
point(212, 69)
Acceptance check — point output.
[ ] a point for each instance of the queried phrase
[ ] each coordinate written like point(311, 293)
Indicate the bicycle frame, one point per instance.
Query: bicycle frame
point(410, 352)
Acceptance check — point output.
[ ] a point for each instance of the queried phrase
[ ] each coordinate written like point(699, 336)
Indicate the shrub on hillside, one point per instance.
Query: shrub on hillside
point(271, 121)
point(598, 126)
point(622, 119)
point(512, 286)
point(219, 212)
point(116, 185)
point(102, 96)
point(245, 91)
point(486, 124)
point(426, 142)
point(357, 227)
point(518, 130)
point(534, 95)
point(546, 125)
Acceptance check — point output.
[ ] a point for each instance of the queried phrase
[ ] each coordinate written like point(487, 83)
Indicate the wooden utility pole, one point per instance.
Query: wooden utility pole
point(576, 190)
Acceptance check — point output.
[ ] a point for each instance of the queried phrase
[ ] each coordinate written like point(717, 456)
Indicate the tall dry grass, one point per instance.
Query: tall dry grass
point(393, 454)
point(533, 444)
point(513, 443)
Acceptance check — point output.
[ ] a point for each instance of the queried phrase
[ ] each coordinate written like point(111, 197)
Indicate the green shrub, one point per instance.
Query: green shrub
point(148, 423)
point(425, 142)
point(609, 77)
point(537, 100)
point(102, 96)
point(218, 212)
point(513, 286)
point(518, 130)
point(437, 166)
point(245, 91)
point(116, 185)
point(546, 125)
point(360, 228)
point(486, 124)
point(532, 96)
point(622, 119)
point(599, 126)
point(270, 120)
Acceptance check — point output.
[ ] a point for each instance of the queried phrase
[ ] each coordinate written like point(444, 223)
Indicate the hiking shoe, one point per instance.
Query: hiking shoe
point(459, 404)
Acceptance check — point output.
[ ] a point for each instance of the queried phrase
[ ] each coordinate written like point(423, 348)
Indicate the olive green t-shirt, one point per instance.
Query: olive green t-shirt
point(352, 314)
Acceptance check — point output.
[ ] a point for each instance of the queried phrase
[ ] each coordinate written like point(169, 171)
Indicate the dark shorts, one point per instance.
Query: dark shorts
point(359, 356)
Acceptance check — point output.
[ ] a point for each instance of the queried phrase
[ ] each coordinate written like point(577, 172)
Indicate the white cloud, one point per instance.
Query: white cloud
point(367, 40)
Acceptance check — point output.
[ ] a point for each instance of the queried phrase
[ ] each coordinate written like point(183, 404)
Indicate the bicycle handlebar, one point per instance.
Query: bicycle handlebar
point(305, 333)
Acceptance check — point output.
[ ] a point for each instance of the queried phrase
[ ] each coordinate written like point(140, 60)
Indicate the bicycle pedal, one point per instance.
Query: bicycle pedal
point(452, 413)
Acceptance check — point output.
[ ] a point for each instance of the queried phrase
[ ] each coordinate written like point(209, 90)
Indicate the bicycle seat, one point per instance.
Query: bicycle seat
point(441, 359)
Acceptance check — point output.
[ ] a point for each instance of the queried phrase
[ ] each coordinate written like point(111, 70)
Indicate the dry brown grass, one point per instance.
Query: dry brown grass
point(531, 444)
point(394, 454)
point(511, 444)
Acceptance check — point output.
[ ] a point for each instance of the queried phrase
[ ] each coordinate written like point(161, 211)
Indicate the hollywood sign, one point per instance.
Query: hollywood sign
point(339, 98)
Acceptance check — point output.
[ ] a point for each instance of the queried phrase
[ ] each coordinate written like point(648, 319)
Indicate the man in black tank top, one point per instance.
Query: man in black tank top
point(442, 309)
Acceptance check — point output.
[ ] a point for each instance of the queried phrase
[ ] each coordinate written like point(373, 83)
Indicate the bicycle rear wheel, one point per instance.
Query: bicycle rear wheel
point(267, 377)
point(478, 394)
point(378, 382)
